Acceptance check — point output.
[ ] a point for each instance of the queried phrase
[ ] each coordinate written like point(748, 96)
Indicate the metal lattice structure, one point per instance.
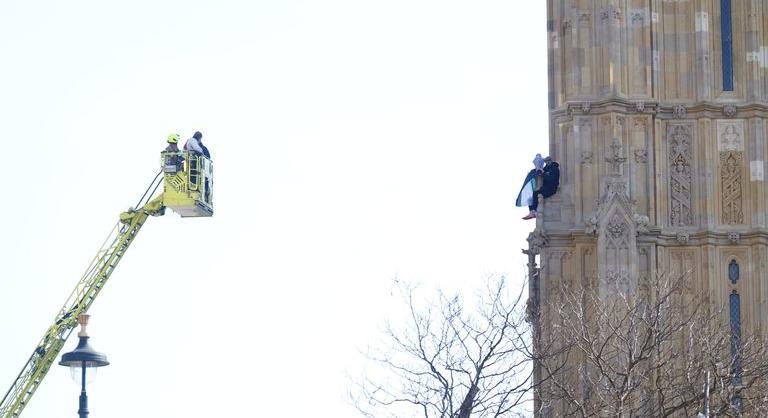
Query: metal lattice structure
point(88, 287)
point(187, 192)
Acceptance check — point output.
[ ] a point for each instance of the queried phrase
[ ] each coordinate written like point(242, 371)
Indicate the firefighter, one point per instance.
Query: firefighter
point(173, 157)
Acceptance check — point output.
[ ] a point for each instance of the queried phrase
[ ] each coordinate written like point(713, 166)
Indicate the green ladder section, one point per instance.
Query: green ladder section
point(89, 286)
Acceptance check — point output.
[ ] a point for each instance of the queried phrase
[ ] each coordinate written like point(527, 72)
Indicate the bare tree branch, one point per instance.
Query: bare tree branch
point(450, 361)
point(645, 353)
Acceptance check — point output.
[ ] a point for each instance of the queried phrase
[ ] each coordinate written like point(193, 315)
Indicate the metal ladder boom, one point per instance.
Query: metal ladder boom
point(96, 275)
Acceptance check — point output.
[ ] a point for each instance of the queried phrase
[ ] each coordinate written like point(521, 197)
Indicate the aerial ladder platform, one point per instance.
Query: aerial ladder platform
point(187, 189)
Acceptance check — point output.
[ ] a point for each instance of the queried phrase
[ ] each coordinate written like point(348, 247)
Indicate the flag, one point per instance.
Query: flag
point(525, 197)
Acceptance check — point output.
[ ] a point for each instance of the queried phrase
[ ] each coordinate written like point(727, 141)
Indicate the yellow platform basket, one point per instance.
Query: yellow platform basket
point(188, 183)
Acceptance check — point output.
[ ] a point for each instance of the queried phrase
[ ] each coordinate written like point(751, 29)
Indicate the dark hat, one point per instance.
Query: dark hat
point(197, 135)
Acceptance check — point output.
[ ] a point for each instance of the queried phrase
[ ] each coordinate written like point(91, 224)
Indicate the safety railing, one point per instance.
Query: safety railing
point(189, 172)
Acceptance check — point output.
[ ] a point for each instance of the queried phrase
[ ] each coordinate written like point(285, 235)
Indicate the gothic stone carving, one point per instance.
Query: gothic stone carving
point(616, 229)
point(614, 12)
point(614, 186)
point(615, 159)
point(536, 240)
point(641, 223)
point(681, 181)
point(730, 135)
point(641, 155)
point(729, 110)
point(617, 13)
point(734, 237)
point(731, 181)
point(679, 112)
point(615, 222)
point(683, 237)
point(593, 225)
point(617, 281)
point(586, 157)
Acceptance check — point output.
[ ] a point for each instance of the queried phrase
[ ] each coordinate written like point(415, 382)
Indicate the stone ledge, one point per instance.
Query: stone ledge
point(666, 237)
point(671, 111)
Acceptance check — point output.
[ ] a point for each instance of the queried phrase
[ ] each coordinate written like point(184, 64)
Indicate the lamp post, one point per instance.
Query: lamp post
point(79, 360)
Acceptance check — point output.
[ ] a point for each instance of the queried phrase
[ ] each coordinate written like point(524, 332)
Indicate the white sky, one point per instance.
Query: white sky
point(353, 141)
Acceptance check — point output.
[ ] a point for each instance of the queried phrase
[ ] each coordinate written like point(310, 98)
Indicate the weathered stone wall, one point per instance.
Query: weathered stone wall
point(662, 169)
point(641, 81)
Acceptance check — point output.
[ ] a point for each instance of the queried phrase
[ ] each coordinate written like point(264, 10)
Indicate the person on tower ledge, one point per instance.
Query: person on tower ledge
point(550, 180)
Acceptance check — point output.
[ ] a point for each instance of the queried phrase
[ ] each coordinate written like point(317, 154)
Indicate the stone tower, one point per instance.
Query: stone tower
point(658, 118)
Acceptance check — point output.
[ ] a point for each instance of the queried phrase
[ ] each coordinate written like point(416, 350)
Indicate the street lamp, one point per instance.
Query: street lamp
point(80, 360)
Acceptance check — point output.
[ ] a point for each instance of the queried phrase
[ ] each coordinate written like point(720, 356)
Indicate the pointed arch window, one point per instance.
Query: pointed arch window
point(734, 308)
point(736, 366)
point(733, 271)
point(726, 38)
point(735, 311)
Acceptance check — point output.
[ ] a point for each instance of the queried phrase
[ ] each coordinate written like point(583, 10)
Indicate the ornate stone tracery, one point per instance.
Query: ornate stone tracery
point(616, 224)
point(668, 180)
point(615, 159)
point(679, 112)
point(731, 181)
point(617, 281)
point(681, 176)
point(730, 136)
point(536, 240)
point(616, 227)
point(641, 155)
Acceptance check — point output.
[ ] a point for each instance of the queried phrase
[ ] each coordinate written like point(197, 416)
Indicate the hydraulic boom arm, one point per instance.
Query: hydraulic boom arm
point(81, 298)
point(187, 180)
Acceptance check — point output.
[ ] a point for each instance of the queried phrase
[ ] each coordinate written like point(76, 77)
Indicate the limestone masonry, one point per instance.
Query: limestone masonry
point(658, 118)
